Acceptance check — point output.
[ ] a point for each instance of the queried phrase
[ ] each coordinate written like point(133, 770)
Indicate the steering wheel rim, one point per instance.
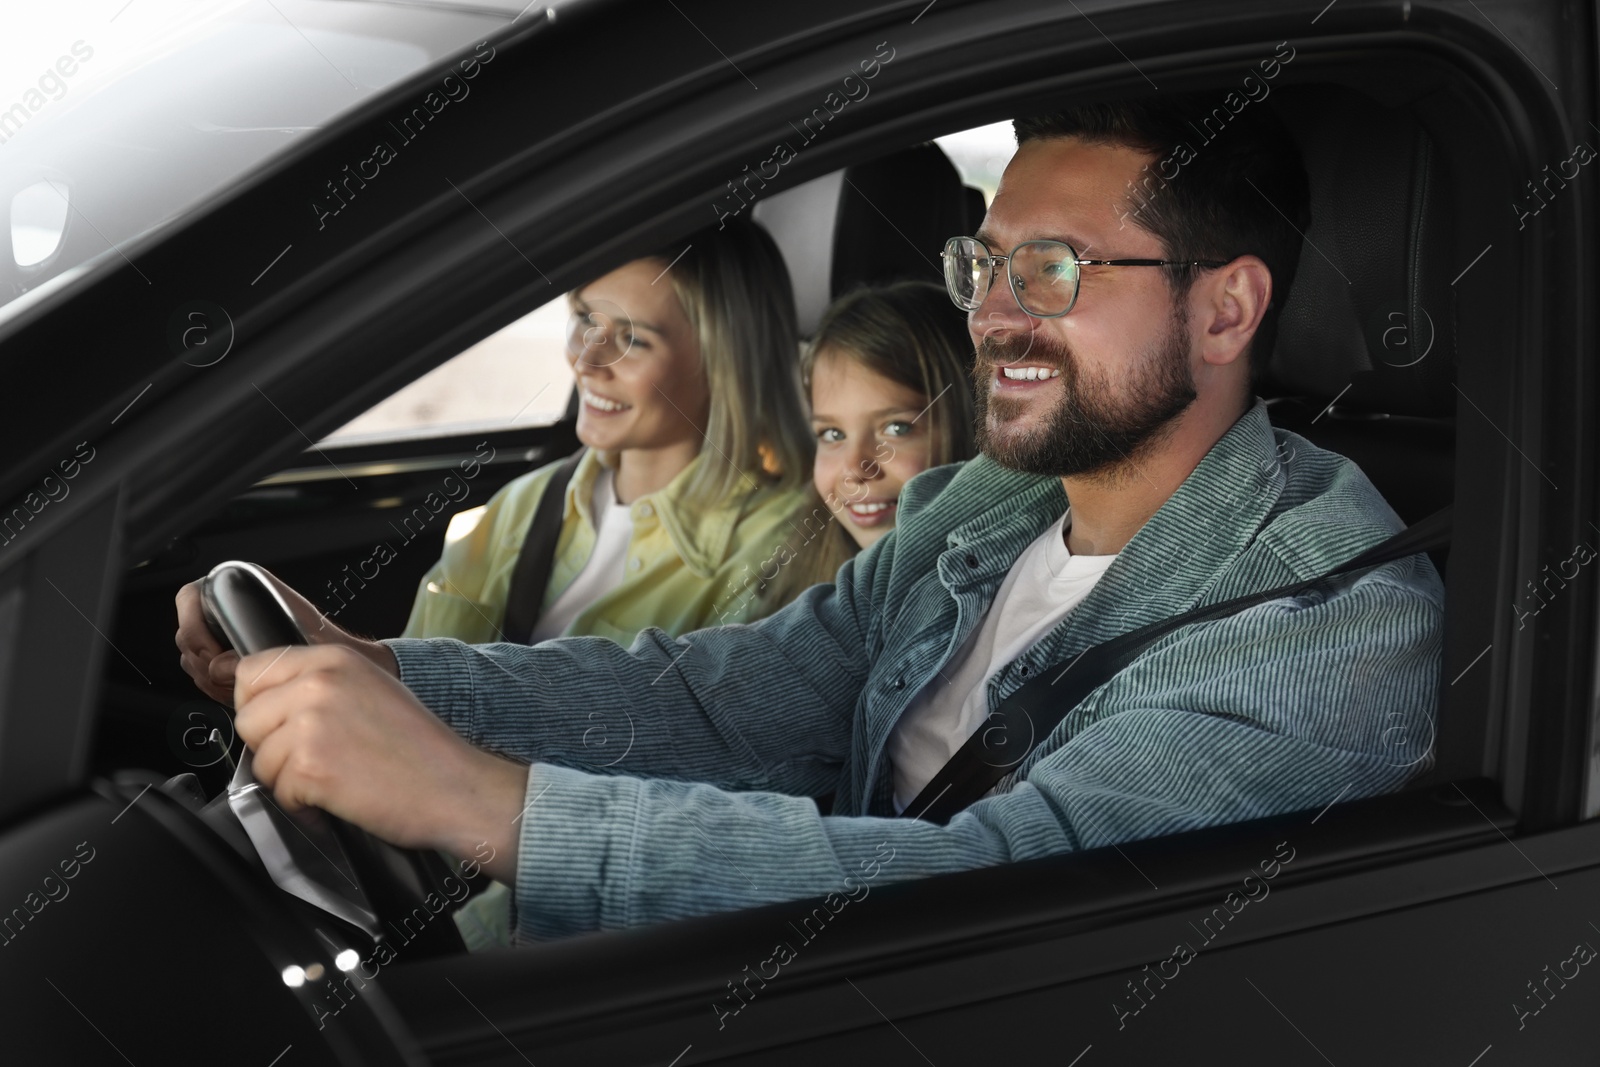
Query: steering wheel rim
point(404, 890)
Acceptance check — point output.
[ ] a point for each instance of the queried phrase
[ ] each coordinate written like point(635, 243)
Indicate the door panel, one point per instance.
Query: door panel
point(1018, 960)
point(1429, 984)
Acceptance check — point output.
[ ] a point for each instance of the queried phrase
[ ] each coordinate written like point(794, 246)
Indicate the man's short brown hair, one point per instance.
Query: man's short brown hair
point(1214, 190)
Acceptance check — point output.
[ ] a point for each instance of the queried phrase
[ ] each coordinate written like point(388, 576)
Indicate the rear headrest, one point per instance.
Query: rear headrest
point(895, 215)
point(1371, 303)
point(872, 223)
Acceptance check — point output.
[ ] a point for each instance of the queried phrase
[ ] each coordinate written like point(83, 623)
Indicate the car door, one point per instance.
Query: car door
point(1445, 921)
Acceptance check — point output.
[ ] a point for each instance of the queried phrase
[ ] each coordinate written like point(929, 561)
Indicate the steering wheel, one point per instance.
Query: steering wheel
point(332, 864)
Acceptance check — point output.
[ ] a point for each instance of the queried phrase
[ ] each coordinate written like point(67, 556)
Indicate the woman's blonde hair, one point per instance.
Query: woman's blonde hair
point(735, 290)
point(909, 333)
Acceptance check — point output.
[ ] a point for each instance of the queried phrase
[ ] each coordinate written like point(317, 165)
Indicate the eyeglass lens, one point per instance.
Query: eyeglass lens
point(1043, 274)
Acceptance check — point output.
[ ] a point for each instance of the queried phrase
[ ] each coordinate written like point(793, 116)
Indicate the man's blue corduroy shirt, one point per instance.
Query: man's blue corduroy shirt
point(674, 777)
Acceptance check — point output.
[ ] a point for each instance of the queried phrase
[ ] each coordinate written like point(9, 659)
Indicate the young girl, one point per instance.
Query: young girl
point(697, 454)
point(891, 396)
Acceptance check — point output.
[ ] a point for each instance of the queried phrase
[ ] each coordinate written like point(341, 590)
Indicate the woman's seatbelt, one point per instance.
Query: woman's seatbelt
point(537, 558)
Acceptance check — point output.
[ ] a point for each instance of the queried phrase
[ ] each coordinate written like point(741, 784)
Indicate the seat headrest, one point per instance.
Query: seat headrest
point(895, 214)
point(1371, 303)
point(872, 223)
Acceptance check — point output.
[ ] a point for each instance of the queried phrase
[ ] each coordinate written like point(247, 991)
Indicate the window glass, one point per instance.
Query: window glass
point(520, 377)
point(119, 116)
point(517, 376)
point(981, 154)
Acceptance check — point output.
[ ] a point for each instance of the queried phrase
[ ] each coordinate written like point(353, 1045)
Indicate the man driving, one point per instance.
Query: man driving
point(1128, 473)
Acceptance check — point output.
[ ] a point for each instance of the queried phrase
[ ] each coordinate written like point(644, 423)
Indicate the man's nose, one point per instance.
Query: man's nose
point(999, 316)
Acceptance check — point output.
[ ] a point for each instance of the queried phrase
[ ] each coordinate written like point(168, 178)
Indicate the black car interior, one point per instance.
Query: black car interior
point(1429, 337)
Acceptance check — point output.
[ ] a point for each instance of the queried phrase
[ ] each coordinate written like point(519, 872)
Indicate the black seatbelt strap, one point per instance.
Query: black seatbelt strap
point(532, 572)
point(1029, 714)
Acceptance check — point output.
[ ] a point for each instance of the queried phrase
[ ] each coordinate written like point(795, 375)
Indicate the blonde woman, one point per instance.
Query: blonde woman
point(696, 454)
point(889, 376)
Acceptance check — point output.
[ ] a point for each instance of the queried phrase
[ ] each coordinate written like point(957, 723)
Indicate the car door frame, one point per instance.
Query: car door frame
point(346, 303)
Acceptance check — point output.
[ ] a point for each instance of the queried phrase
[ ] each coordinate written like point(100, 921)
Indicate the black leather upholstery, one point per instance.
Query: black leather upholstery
point(876, 222)
point(1370, 317)
point(895, 214)
point(1372, 308)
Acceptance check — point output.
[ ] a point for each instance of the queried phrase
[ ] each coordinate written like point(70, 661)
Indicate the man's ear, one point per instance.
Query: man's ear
point(1233, 298)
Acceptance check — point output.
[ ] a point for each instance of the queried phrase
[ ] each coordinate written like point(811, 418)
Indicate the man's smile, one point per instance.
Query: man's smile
point(1015, 378)
point(1030, 373)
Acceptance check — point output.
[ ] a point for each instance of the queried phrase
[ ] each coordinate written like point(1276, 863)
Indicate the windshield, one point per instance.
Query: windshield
point(116, 118)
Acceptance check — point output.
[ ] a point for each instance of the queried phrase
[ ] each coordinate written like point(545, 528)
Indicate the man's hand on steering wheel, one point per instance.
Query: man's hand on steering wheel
point(332, 730)
point(212, 667)
point(332, 727)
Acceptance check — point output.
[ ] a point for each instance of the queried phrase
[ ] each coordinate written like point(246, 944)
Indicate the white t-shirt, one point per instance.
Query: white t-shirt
point(1045, 583)
point(605, 567)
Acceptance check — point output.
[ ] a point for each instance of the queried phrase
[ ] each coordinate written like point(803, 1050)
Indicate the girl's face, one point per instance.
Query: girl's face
point(870, 441)
point(637, 361)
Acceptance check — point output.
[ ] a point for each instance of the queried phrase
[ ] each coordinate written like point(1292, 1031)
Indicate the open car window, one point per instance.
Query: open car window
point(516, 377)
point(980, 154)
point(519, 376)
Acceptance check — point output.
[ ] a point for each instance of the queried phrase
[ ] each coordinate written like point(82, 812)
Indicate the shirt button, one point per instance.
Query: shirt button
point(1023, 670)
point(972, 561)
point(645, 511)
point(900, 682)
point(635, 563)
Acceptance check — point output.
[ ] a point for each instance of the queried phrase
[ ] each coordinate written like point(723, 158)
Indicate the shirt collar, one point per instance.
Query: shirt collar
point(1173, 559)
point(700, 535)
point(580, 489)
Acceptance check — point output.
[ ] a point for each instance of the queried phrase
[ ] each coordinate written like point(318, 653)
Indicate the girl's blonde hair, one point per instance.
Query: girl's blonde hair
point(911, 334)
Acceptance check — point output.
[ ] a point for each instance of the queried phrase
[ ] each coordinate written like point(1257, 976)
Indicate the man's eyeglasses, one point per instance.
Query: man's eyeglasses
point(1044, 275)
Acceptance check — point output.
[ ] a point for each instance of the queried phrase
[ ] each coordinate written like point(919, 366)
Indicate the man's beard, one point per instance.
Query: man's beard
point(1090, 431)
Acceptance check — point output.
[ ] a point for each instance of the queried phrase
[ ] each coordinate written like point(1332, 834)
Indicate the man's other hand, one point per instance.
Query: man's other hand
point(212, 667)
